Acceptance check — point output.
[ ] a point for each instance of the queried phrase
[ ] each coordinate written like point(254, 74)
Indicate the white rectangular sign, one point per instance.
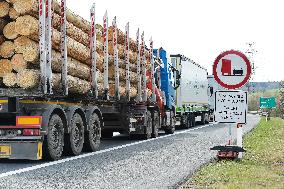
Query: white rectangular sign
point(231, 106)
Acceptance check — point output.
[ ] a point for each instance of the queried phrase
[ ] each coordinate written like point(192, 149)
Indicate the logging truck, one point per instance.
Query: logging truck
point(64, 114)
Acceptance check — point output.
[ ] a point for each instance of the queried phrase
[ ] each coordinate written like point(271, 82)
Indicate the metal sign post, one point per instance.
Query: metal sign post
point(105, 37)
point(93, 48)
point(240, 138)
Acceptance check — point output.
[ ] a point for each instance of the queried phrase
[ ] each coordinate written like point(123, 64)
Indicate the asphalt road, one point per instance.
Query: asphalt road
point(121, 163)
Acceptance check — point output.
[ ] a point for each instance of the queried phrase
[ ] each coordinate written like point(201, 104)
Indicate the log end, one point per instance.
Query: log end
point(5, 67)
point(7, 49)
point(9, 31)
point(26, 25)
point(4, 8)
point(18, 62)
point(10, 80)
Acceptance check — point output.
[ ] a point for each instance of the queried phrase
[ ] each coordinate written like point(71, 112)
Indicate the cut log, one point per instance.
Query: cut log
point(30, 51)
point(31, 6)
point(9, 31)
point(122, 75)
point(75, 68)
point(121, 64)
point(7, 49)
point(28, 26)
point(28, 79)
point(18, 62)
point(120, 35)
point(5, 67)
point(27, 47)
point(13, 14)
point(10, 80)
point(132, 55)
point(4, 8)
point(76, 33)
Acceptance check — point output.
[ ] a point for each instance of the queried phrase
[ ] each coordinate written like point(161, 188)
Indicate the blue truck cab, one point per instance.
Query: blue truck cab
point(167, 78)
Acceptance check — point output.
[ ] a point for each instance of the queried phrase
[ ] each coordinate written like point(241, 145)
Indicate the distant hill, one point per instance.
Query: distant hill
point(262, 86)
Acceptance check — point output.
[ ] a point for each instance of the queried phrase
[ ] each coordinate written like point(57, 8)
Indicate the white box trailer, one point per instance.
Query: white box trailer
point(192, 102)
point(213, 86)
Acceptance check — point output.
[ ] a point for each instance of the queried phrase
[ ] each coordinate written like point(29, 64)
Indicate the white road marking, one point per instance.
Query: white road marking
point(32, 168)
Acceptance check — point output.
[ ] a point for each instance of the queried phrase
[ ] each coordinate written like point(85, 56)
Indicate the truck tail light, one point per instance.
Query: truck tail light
point(31, 132)
point(28, 120)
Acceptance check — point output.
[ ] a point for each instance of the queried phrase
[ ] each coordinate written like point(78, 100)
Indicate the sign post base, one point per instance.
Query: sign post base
point(240, 139)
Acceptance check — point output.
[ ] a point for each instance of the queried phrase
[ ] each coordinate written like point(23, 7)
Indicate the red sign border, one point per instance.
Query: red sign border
point(236, 86)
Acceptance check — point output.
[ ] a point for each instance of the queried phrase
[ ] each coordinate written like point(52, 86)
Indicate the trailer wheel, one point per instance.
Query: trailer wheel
point(188, 122)
point(171, 129)
point(75, 141)
point(155, 124)
point(148, 130)
point(93, 136)
point(192, 120)
point(54, 140)
point(203, 121)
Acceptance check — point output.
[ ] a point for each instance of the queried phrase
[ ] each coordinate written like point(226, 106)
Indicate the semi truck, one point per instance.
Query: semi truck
point(42, 123)
point(192, 103)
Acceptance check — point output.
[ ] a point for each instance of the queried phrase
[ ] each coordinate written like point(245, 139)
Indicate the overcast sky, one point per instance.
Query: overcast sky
point(202, 29)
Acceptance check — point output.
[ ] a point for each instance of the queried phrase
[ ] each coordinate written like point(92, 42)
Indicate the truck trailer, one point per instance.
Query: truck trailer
point(44, 123)
point(191, 95)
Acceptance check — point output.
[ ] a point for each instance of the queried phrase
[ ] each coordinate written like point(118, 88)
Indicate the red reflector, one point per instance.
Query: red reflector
point(31, 132)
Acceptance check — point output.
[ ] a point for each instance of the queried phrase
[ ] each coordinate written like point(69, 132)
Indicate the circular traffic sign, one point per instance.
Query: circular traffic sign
point(232, 69)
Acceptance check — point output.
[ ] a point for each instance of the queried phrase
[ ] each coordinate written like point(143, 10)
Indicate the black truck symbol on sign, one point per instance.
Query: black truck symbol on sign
point(227, 69)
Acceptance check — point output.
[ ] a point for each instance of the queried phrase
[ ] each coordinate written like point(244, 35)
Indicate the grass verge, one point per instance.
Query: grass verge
point(261, 167)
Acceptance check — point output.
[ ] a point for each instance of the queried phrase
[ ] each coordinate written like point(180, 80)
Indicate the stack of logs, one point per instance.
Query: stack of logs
point(19, 50)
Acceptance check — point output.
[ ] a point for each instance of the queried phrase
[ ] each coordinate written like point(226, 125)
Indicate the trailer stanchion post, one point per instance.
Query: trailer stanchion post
point(105, 36)
point(93, 47)
point(153, 98)
point(42, 45)
point(159, 69)
point(138, 66)
point(63, 49)
point(115, 53)
point(240, 138)
point(126, 51)
point(48, 33)
point(143, 67)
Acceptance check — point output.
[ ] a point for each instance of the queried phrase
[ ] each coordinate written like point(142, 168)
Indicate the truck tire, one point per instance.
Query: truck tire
point(188, 122)
point(93, 136)
point(172, 128)
point(107, 134)
point(54, 140)
point(203, 121)
point(148, 130)
point(75, 140)
point(192, 120)
point(155, 124)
